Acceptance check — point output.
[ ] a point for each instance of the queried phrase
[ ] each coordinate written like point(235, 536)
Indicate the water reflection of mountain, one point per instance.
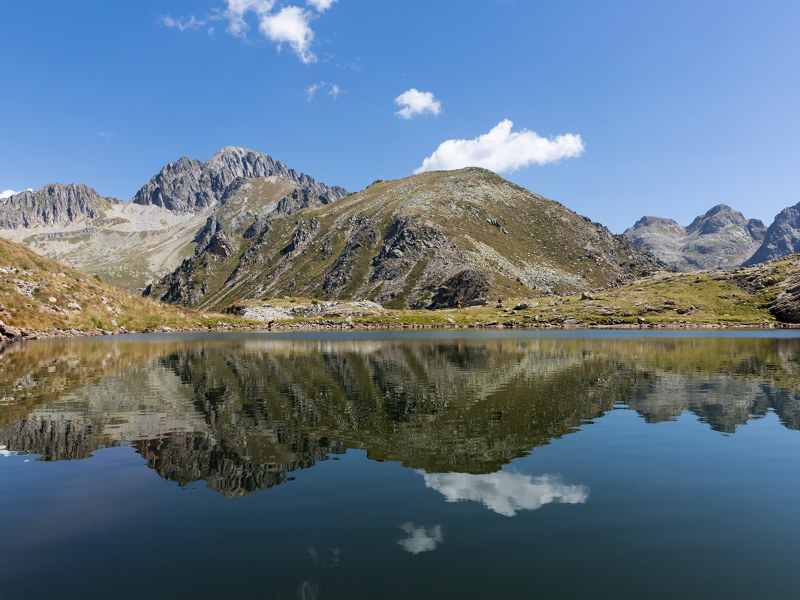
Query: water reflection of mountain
point(242, 413)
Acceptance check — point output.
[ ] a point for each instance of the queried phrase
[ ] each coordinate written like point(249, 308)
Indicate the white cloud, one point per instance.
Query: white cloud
point(182, 23)
point(320, 5)
point(106, 135)
point(415, 102)
point(502, 150)
point(331, 89)
point(238, 8)
point(279, 23)
point(506, 493)
point(421, 539)
point(7, 194)
point(290, 25)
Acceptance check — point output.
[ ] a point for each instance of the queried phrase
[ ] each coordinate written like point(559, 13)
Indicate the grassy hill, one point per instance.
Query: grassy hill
point(37, 293)
point(422, 241)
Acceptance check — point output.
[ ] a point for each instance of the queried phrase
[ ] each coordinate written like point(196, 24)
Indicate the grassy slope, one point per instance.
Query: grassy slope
point(524, 242)
point(672, 299)
point(38, 293)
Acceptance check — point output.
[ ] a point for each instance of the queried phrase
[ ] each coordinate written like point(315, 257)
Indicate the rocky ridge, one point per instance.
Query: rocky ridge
point(189, 185)
point(722, 238)
point(53, 204)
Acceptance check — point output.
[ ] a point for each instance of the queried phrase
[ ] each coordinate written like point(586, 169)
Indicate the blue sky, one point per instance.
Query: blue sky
point(638, 107)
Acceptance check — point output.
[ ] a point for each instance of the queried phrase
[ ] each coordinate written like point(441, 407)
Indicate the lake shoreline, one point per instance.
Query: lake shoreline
point(328, 325)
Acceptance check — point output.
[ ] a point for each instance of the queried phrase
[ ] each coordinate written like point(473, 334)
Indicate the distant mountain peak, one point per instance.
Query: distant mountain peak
point(720, 238)
point(188, 185)
point(53, 204)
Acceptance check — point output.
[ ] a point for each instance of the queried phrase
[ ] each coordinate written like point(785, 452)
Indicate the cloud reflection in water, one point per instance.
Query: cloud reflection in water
point(506, 493)
point(421, 539)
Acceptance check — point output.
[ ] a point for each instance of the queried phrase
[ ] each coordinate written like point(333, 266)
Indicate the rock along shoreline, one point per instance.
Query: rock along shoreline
point(9, 334)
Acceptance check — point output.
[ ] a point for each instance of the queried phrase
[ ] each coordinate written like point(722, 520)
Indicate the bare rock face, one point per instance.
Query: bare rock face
point(52, 205)
point(786, 305)
point(189, 185)
point(782, 238)
point(722, 238)
point(470, 287)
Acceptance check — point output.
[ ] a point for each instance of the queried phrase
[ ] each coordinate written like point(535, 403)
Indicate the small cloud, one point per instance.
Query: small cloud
point(415, 103)
point(335, 91)
point(502, 150)
point(313, 90)
point(421, 539)
point(7, 194)
point(506, 493)
point(182, 23)
point(320, 5)
point(331, 89)
point(105, 135)
point(290, 25)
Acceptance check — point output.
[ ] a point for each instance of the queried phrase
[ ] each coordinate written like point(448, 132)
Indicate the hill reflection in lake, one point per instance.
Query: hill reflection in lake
point(242, 413)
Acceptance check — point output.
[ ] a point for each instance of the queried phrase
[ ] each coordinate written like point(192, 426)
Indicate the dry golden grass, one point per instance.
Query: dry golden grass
point(37, 293)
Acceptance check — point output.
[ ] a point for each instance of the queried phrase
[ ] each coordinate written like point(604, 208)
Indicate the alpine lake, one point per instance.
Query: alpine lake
point(502, 464)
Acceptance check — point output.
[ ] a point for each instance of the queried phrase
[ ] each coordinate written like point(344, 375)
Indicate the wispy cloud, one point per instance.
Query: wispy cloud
point(105, 135)
point(414, 102)
point(421, 539)
point(320, 5)
point(503, 150)
point(183, 23)
point(506, 493)
point(331, 89)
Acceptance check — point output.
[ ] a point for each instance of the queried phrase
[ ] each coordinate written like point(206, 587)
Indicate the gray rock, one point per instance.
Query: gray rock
point(786, 305)
point(188, 185)
point(52, 205)
point(781, 239)
point(722, 238)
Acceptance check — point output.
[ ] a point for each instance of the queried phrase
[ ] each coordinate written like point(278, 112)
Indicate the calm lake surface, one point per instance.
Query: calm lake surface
point(449, 465)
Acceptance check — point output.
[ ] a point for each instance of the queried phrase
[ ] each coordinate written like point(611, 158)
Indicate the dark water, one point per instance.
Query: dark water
point(389, 466)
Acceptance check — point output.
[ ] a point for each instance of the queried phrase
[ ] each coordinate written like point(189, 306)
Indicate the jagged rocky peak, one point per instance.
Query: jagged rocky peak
point(719, 239)
point(781, 239)
point(51, 205)
point(722, 216)
point(189, 185)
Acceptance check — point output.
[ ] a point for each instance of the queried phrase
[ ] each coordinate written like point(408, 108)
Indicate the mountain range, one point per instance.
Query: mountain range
point(722, 238)
point(243, 225)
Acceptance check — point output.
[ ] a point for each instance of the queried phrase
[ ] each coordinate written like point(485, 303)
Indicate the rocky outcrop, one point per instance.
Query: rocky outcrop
point(781, 239)
point(189, 185)
point(54, 204)
point(214, 239)
point(722, 238)
point(469, 287)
